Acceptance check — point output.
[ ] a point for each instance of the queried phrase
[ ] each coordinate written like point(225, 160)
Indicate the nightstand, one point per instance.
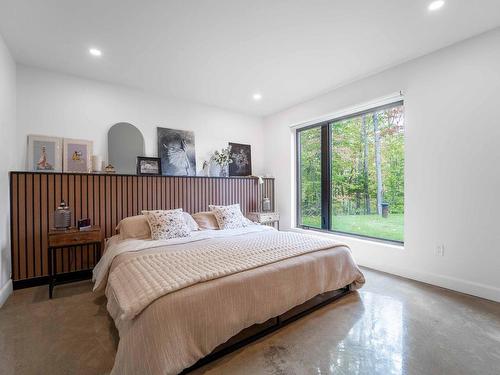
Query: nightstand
point(66, 239)
point(266, 218)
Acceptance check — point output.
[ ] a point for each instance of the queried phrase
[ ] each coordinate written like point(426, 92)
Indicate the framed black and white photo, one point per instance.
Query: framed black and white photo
point(147, 166)
point(241, 156)
point(176, 149)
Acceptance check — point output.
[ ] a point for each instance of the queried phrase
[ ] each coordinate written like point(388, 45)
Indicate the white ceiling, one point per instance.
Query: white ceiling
point(221, 52)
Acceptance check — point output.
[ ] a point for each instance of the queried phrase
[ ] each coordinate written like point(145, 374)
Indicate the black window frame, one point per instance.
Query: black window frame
point(326, 165)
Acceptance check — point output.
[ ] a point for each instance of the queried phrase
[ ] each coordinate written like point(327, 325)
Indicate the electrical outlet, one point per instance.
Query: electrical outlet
point(440, 250)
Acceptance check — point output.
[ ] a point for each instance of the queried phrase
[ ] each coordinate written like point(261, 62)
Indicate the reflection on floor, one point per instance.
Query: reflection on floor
point(392, 326)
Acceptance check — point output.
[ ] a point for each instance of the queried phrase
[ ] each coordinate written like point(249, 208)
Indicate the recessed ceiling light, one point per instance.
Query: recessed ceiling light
point(95, 52)
point(257, 96)
point(435, 5)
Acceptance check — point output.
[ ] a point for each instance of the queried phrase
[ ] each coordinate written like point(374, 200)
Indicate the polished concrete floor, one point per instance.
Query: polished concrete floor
point(392, 326)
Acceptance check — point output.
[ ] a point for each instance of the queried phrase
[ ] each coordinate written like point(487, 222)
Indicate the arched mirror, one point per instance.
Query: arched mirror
point(125, 144)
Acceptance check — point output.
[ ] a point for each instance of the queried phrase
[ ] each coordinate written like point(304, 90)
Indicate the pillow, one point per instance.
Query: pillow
point(138, 226)
point(134, 227)
point(191, 223)
point(206, 220)
point(229, 217)
point(249, 222)
point(167, 224)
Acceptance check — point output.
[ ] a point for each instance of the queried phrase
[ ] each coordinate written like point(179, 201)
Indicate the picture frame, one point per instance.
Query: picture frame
point(241, 156)
point(77, 155)
point(44, 153)
point(176, 148)
point(148, 166)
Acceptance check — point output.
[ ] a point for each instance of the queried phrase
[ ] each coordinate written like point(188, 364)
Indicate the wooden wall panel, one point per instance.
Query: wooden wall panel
point(107, 199)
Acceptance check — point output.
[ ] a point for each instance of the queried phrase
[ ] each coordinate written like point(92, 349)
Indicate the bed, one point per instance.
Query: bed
point(177, 301)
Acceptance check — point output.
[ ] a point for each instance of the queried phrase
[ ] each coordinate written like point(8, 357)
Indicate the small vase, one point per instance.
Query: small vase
point(223, 171)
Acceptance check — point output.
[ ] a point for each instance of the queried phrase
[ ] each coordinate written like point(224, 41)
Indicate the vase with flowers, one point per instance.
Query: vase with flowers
point(223, 158)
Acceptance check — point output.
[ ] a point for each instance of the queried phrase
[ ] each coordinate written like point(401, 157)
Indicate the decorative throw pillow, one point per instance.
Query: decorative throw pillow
point(191, 223)
point(229, 217)
point(167, 224)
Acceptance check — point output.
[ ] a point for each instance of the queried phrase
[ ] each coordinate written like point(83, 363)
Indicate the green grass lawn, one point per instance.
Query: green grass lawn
point(390, 228)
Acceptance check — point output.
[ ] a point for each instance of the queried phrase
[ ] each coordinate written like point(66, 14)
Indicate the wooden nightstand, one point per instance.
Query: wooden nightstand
point(67, 239)
point(265, 218)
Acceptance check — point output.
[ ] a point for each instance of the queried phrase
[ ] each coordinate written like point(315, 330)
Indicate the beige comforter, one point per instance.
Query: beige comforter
point(178, 326)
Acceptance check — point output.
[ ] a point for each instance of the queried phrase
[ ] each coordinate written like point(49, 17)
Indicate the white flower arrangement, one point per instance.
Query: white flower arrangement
point(222, 157)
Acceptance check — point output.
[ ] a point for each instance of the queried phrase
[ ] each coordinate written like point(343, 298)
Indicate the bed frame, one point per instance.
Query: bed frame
point(258, 331)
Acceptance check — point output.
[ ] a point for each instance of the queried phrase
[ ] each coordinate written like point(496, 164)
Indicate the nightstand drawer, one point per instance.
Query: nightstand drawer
point(73, 237)
point(264, 217)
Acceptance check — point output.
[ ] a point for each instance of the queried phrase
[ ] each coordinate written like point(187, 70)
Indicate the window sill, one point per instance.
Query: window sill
point(350, 238)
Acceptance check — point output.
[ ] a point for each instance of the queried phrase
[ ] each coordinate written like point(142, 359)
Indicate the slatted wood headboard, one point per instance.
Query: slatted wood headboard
point(106, 199)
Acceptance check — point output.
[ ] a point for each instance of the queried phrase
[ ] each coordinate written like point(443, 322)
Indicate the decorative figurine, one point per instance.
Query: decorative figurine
point(109, 169)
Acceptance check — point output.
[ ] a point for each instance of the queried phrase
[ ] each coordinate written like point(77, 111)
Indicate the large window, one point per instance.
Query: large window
point(351, 174)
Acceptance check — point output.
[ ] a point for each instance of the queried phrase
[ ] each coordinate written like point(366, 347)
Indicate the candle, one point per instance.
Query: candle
point(96, 163)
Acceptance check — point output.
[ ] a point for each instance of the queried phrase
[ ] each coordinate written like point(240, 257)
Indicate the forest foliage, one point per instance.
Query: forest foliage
point(367, 166)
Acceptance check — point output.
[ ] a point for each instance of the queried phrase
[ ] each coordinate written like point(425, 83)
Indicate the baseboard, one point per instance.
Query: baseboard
point(5, 292)
point(447, 282)
point(44, 280)
point(451, 283)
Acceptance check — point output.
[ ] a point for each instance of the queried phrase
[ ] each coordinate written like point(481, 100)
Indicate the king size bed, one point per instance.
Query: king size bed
point(175, 301)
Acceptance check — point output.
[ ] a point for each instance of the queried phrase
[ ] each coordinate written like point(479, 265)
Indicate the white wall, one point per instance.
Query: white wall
point(452, 103)
point(7, 160)
point(66, 106)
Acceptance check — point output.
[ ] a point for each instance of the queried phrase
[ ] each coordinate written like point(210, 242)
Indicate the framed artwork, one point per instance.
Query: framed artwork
point(77, 155)
point(148, 166)
point(176, 149)
point(241, 156)
point(44, 153)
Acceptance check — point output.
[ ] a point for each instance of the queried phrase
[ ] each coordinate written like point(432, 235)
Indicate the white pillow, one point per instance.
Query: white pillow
point(249, 222)
point(229, 217)
point(191, 223)
point(167, 224)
